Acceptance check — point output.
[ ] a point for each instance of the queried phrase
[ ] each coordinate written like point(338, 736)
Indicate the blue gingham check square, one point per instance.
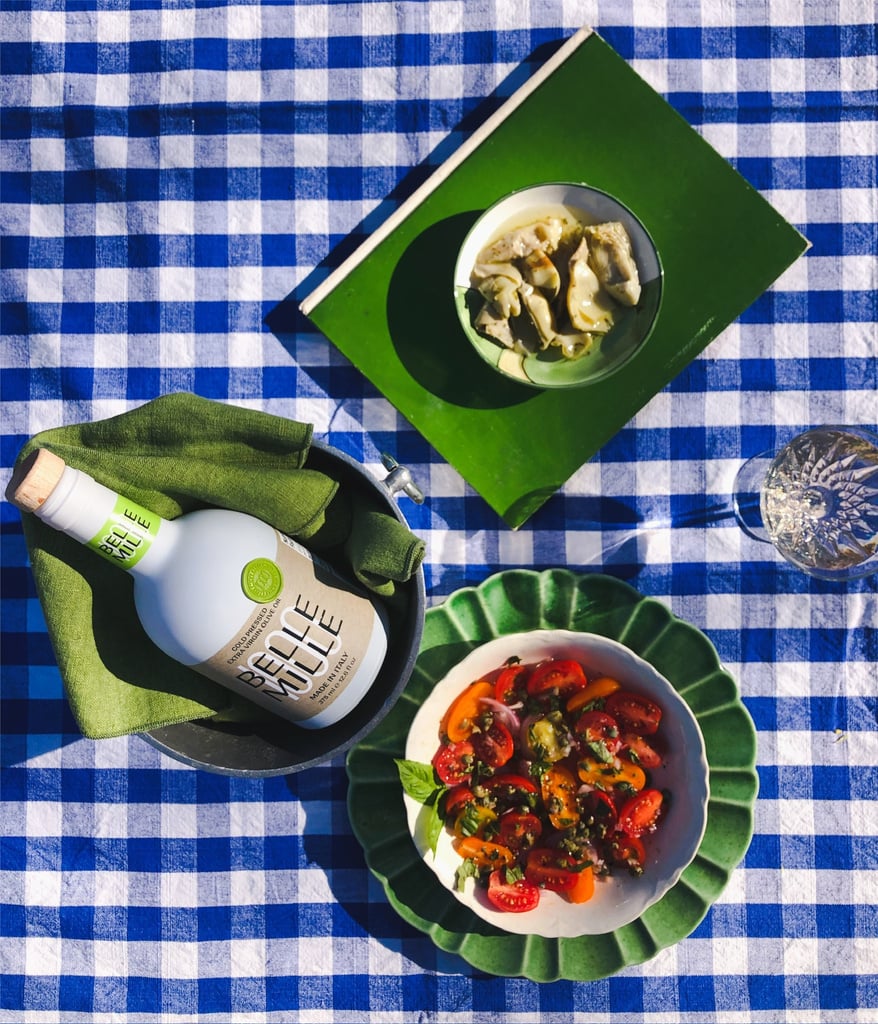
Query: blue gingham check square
point(169, 175)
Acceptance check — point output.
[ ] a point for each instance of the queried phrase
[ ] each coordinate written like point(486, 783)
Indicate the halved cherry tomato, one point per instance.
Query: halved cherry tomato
point(472, 819)
point(456, 799)
point(510, 688)
point(584, 888)
point(559, 795)
point(639, 814)
point(518, 830)
point(628, 850)
point(640, 751)
point(512, 790)
point(561, 675)
point(461, 716)
point(620, 773)
point(549, 869)
point(595, 690)
point(600, 729)
point(485, 854)
point(514, 897)
point(598, 811)
point(637, 713)
point(454, 762)
point(495, 746)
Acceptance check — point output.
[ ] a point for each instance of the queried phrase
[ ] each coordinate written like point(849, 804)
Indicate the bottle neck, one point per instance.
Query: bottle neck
point(120, 530)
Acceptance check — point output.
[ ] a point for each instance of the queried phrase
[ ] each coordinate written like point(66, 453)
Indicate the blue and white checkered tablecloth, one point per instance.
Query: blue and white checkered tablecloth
point(168, 176)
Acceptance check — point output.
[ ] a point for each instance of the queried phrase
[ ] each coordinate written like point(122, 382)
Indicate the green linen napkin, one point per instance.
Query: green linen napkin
point(172, 455)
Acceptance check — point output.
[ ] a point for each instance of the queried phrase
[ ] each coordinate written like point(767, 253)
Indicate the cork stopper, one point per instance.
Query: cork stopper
point(35, 479)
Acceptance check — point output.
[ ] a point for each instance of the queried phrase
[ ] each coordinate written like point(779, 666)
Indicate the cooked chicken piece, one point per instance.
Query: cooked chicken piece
point(542, 234)
point(612, 260)
point(588, 307)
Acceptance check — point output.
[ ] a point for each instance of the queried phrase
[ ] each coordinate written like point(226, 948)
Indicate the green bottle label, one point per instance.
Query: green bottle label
point(126, 536)
point(261, 580)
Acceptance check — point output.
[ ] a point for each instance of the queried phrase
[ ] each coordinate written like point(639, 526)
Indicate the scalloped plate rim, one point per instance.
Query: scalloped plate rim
point(478, 949)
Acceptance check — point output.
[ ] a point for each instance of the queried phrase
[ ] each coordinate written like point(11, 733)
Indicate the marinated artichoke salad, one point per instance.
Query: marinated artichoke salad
point(542, 778)
point(554, 283)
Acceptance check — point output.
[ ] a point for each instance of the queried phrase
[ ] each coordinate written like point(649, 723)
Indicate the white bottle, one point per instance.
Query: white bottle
point(225, 594)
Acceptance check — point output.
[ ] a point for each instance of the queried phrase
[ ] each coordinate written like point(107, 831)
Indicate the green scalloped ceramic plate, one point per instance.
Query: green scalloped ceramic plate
point(516, 601)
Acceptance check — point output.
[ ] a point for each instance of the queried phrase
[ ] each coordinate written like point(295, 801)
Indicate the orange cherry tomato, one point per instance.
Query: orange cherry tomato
point(461, 717)
point(485, 854)
point(611, 776)
point(595, 690)
point(584, 888)
point(559, 795)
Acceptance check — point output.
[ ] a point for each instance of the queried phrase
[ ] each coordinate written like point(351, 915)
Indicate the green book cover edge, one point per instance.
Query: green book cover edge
point(584, 116)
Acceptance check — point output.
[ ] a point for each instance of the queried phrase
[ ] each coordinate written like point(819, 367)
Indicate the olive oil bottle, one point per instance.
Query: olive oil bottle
point(224, 593)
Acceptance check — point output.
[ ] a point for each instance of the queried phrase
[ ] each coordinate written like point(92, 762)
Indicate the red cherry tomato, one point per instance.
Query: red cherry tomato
point(546, 868)
point(512, 790)
point(639, 714)
point(599, 728)
point(495, 746)
point(639, 814)
point(628, 850)
point(510, 688)
point(514, 897)
point(454, 762)
point(560, 675)
point(519, 830)
point(640, 751)
point(598, 811)
point(456, 799)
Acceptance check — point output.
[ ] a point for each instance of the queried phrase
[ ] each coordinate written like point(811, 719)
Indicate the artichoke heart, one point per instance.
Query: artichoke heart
point(537, 307)
point(611, 259)
point(542, 273)
point(587, 306)
point(520, 242)
point(498, 328)
point(499, 283)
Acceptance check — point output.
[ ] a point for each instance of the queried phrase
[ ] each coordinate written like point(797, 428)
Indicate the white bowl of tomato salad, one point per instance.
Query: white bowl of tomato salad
point(556, 783)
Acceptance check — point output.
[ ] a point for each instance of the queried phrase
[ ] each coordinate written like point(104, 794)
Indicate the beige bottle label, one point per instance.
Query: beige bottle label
point(302, 647)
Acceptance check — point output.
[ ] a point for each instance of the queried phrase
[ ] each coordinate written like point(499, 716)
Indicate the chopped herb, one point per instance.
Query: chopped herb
point(467, 869)
point(600, 751)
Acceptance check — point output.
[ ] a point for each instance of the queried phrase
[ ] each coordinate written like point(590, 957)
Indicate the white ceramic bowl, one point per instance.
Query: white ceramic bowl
point(632, 327)
point(684, 774)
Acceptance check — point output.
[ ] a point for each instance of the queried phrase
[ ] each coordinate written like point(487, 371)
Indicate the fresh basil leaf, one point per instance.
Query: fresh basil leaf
point(434, 826)
point(419, 780)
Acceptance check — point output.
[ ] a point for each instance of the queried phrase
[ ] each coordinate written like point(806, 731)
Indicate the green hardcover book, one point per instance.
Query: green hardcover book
point(584, 116)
